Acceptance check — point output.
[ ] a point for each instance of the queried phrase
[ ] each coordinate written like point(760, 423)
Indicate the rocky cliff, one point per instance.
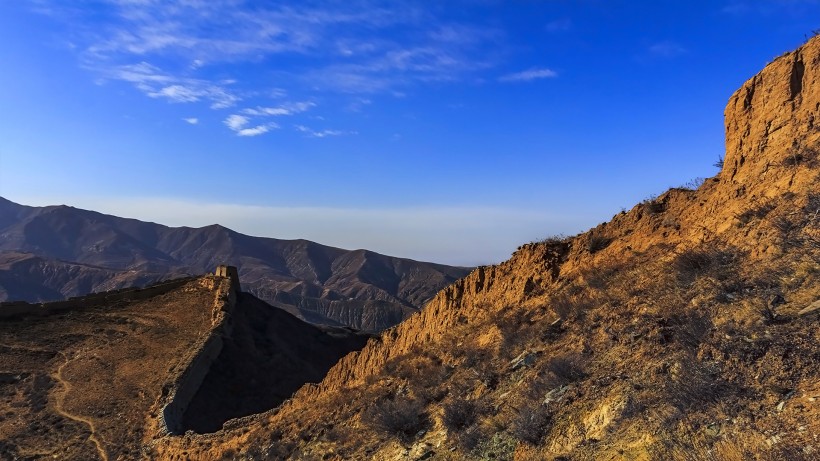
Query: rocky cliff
point(684, 328)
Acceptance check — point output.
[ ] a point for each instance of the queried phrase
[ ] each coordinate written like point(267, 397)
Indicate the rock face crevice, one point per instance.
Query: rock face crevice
point(796, 81)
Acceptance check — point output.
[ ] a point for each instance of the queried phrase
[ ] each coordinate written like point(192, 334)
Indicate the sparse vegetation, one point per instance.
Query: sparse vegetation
point(597, 243)
point(399, 416)
point(460, 413)
point(531, 424)
point(801, 155)
point(554, 239)
point(709, 260)
point(564, 370)
point(653, 205)
point(693, 184)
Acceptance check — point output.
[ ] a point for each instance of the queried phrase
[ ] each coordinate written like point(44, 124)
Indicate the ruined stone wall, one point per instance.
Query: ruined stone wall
point(230, 272)
point(184, 387)
point(107, 298)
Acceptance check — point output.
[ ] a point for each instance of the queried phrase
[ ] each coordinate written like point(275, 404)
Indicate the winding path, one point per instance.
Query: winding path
point(60, 400)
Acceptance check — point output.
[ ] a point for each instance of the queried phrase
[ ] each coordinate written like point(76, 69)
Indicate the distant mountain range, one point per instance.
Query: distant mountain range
point(55, 252)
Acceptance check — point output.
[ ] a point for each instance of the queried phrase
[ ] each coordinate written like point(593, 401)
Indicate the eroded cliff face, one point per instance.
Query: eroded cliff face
point(478, 294)
point(773, 118)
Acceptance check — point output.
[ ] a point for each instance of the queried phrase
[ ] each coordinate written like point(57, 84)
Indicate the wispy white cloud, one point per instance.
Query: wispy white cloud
point(191, 120)
point(529, 75)
point(667, 49)
point(156, 83)
point(239, 125)
point(358, 104)
point(283, 109)
point(322, 133)
point(236, 122)
point(194, 35)
point(257, 130)
point(176, 93)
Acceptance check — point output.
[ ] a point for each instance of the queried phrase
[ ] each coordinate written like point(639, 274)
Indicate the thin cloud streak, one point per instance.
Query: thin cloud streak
point(322, 133)
point(529, 75)
point(284, 109)
point(155, 83)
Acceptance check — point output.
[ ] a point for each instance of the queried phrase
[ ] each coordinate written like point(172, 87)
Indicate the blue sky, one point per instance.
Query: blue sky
point(446, 131)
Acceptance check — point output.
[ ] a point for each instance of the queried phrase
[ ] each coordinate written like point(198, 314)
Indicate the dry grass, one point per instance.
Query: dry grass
point(400, 417)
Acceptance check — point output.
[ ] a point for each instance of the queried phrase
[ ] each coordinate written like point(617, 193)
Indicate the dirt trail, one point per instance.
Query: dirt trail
point(60, 400)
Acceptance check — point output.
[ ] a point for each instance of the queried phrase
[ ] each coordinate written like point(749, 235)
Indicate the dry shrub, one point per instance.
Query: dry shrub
point(737, 448)
point(400, 417)
point(693, 184)
point(424, 374)
point(692, 382)
point(518, 329)
point(812, 207)
point(801, 228)
point(562, 306)
point(800, 155)
point(788, 229)
point(568, 307)
point(556, 372)
point(708, 260)
point(487, 372)
point(601, 276)
point(597, 243)
point(461, 413)
point(653, 205)
point(558, 239)
point(470, 437)
point(691, 328)
point(565, 369)
point(531, 424)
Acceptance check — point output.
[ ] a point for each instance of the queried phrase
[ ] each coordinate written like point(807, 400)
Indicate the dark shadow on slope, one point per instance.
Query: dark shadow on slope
point(269, 356)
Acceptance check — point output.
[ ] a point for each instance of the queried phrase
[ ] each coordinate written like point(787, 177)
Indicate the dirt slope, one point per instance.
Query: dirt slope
point(105, 376)
point(80, 384)
point(685, 328)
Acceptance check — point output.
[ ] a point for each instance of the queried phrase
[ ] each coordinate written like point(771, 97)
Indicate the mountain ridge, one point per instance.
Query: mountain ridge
point(380, 290)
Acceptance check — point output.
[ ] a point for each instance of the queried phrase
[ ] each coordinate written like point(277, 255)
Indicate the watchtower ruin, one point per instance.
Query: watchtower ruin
point(232, 273)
